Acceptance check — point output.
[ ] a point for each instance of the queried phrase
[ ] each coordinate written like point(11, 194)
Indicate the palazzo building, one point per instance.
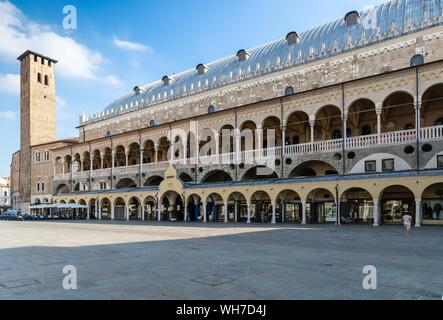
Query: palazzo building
point(355, 107)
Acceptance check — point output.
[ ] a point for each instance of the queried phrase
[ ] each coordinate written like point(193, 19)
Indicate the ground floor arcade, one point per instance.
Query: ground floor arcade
point(373, 200)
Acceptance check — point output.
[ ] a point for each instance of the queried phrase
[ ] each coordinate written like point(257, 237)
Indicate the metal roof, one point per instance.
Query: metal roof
point(380, 23)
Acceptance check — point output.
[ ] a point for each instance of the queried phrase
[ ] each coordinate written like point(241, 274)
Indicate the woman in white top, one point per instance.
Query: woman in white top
point(407, 222)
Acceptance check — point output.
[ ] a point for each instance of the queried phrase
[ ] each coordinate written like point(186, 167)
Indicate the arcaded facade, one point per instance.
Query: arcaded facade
point(339, 124)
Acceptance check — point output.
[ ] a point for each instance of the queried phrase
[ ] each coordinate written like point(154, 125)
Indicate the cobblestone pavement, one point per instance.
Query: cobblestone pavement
point(217, 261)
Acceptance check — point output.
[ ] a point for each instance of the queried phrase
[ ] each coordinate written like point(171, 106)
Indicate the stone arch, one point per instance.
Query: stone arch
point(261, 207)
point(398, 112)
point(362, 118)
point(194, 207)
point(149, 151)
point(297, 128)
point(237, 207)
point(120, 156)
point(153, 181)
point(248, 135)
point(186, 178)
point(215, 207)
point(119, 204)
point(134, 154)
point(150, 203)
point(271, 126)
point(126, 183)
point(314, 168)
point(322, 206)
point(217, 176)
point(62, 189)
point(172, 208)
point(106, 208)
point(356, 206)
point(259, 173)
point(432, 106)
point(135, 208)
point(289, 207)
point(328, 123)
point(395, 201)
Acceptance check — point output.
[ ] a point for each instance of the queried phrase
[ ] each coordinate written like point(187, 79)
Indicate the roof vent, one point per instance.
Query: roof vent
point(167, 80)
point(292, 38)
point(352, 18)
point(242, 55)
point(137, 90)
point(201, 68)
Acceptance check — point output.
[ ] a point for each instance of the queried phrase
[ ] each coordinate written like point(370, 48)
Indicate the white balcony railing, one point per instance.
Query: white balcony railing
point(258, 156)
point(431, 133)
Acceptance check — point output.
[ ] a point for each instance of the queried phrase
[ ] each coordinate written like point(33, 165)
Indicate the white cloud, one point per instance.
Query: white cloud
point(18, 34)
point(132, 46)
point(9, 83)
point(7, 115)
point(61, 103)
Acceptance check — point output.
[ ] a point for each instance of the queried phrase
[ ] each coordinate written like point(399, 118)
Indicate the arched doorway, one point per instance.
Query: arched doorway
point(328, 123)
point(289, 207)
point(172, 207)
point(119, 209)
point(395, 202)
point(362, 118)
point(93, 209)
point(237, 207)
point(215, 208)
point(135, 209)
point(194, 209)
point(297, 128)
point(321, 207)
point(82, 213)
point(398, 112)
point(432, 205)
point(261, 207)
point(105, 204)
point(150, 208)
point(356, 207)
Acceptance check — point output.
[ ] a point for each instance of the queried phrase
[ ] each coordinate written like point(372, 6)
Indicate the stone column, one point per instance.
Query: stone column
point(378, 112)
point(127, 212)
point(345, 130)
point(204, 212)
point(143, 211)
point(259, 143)
point(337, 206)
point(283, 210)
point(418, 119)
point(376, 212)
point(304, 215)
point(312, 125)
point(88, 213)
point(185, 210)
point(81, 165)
point(99, 211)
point(101, 161)
point(112, 212)
point(159, 216)
point(63, 167)
point(91, 168)
point(249, 211)
point(226, 212)
point(127, 158)
point(274, 205)
point(418, 213)
point(156, 153)
point(283, 137)
point(236, 211)
point(237, 146)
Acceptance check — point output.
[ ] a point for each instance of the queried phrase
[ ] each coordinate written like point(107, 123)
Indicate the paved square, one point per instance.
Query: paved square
point(186, 261)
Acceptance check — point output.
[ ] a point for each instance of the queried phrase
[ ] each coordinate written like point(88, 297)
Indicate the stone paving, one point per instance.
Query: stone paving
point(217, 261)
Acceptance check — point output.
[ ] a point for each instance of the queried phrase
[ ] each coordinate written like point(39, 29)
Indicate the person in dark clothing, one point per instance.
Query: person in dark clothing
point(437, 210)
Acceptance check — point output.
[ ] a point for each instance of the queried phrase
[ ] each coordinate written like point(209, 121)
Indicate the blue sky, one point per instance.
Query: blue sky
point(120, 44)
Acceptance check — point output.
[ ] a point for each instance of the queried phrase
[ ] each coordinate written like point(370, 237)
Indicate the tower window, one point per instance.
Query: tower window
point(43, 60)
point(46, 156)
point(39, 77)
point(49, 63)
point(35, 58)
point(43, 186)
point(37, 157)
point(46, 80)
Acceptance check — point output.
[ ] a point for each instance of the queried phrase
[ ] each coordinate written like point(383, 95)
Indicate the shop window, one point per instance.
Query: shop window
point(388, 165)
point(371, 166)
point(440, 162)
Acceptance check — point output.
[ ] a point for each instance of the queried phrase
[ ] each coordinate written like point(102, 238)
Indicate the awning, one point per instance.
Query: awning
point(58, 206)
